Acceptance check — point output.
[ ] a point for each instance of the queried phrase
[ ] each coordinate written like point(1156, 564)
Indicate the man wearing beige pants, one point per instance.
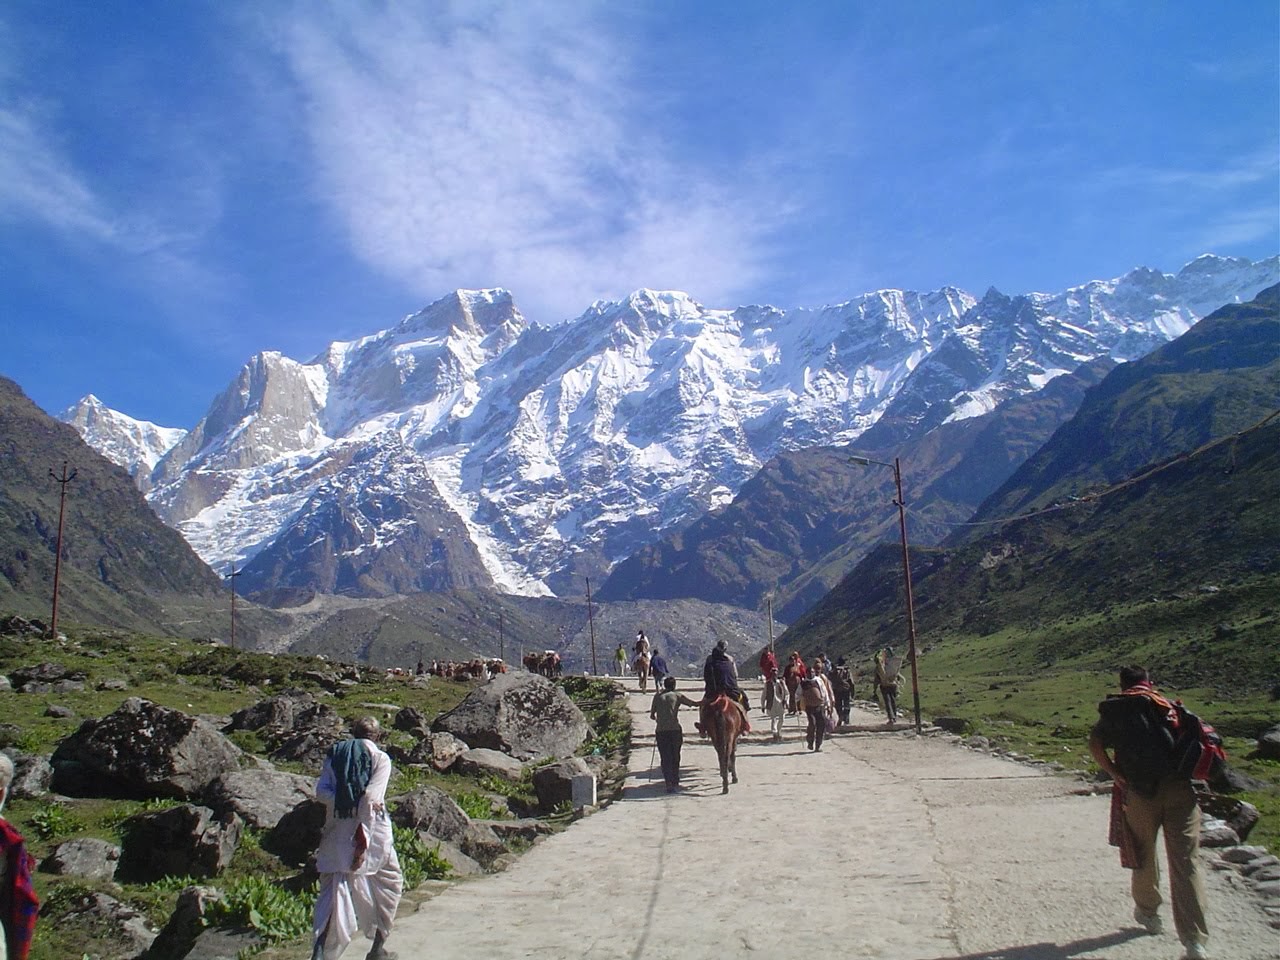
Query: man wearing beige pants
point(1135, 726)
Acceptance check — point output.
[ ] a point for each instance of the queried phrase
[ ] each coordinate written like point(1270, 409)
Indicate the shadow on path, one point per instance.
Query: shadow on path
point(1074, 950)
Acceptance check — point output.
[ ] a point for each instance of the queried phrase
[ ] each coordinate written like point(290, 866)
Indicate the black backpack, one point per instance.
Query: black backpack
point(1139, 732)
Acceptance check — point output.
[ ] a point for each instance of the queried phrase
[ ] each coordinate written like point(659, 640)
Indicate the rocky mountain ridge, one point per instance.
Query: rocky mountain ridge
point(557, 452)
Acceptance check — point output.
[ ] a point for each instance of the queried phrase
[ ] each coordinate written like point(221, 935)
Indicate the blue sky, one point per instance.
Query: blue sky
point(183, 184)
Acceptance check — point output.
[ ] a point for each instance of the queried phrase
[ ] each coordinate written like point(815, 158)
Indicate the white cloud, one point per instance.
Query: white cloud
point(38, 183)
point(502, 146)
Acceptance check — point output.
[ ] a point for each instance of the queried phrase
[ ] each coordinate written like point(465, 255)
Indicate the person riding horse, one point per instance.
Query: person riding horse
point(721, 677)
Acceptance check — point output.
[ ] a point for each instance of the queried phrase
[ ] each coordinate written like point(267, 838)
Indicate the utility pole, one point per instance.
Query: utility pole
point(592, 621)
point(57, 560)
point(906, 576)
point(769, 601)
point(502, 642)
point(901, 504)
point(231, 580)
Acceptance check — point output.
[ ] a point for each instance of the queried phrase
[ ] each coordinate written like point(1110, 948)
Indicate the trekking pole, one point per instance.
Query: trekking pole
point(653, 754)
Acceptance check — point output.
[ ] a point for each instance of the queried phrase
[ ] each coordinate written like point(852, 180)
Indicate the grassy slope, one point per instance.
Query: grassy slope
point(198, 679)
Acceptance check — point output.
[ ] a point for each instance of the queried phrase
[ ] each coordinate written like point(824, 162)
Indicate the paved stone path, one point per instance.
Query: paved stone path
point(884, 845)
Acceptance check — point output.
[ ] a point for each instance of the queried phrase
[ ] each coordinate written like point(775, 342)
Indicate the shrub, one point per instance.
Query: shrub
point(418, 861)
point(274, 913)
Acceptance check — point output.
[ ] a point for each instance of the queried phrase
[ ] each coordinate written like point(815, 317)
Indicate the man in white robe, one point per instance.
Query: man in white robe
point(360, 878)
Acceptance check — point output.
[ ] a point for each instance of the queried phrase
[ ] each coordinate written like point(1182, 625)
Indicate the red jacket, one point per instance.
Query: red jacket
point(18, 901)
point(768, 665)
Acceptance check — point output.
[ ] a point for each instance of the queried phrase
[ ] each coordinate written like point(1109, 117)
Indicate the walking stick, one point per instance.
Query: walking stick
point(652, 755)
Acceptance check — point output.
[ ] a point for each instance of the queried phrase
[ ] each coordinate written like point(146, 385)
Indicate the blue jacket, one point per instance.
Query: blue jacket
point(718, 676)
point(658, 666)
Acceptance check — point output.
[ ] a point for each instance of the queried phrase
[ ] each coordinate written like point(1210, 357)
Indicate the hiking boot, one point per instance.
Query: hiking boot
point(1196, 951)
point(1149, 922)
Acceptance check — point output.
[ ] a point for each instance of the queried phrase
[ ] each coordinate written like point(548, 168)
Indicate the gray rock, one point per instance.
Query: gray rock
point(430, 810)
point(484, 762)
point(141, 751)
point(182, 841)
point(1243, 854)
point(9, 734)
point(526, 828)
point(412, 720)
point(86, 857)
point(297, 835)
point(1270, 889)
point(5, 685)
point(129, 936)
point(69, 686)
point(219, 944)
point(113, 683)
point(460, 865)
point(59, 712)
point(439, 750)
point(184, 926)
point(1231, 780)
point(1218, 835)
point(35, 686)
point(553, 783)
point(49, 673)
point(1266, 874)
point(260, 797)
point(957, 725)
point(977, 742)
point(1259, 863)
point(521, 714)
point(32, 775)
point(1269, 744)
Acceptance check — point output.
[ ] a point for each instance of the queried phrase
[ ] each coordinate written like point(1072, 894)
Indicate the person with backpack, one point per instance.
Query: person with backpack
point(842, 686)
point(1141, 730)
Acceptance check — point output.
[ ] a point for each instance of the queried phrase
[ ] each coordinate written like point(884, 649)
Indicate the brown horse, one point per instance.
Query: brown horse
point(642, 671)
point(724, 725)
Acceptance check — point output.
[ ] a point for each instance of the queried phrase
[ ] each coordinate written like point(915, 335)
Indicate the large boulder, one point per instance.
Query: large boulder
point(142, 751)
point(32, 775)
point(86, 857)
point(182, 841)
point(115, 930)
point(260, 797)
point(184, 925)
point(294, 726)
point(439, 750)
point(522, 714)
point(432, 811)
point(483, 762)
point(1269, 744)
point(554, 783)
point(297, 835)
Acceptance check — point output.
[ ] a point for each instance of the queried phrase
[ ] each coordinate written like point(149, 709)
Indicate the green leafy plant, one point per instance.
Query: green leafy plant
point(477, 806)
point(274, 913)
point(418, 860)
point(54, 820)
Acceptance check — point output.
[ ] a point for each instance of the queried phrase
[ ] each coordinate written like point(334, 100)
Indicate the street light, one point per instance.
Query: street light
point(906, 575)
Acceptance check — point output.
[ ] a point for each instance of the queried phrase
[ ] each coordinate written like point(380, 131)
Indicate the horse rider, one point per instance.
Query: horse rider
point(720, 675)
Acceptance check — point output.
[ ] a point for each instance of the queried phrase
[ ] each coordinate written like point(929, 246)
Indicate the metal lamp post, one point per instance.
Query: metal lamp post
point(906, 575)
point(595, 671)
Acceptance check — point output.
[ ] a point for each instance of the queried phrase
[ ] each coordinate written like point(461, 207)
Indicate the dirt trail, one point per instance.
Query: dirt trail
point(884, 845)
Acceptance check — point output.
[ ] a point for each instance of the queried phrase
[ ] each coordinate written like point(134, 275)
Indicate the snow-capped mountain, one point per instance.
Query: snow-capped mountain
point(560, 451)
point(136, 445)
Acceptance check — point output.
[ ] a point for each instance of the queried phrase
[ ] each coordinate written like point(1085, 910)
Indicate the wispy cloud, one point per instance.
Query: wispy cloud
point(504, 145)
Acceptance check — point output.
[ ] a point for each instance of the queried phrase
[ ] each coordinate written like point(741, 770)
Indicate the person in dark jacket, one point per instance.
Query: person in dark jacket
point(658, 667)
point(720, 675)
